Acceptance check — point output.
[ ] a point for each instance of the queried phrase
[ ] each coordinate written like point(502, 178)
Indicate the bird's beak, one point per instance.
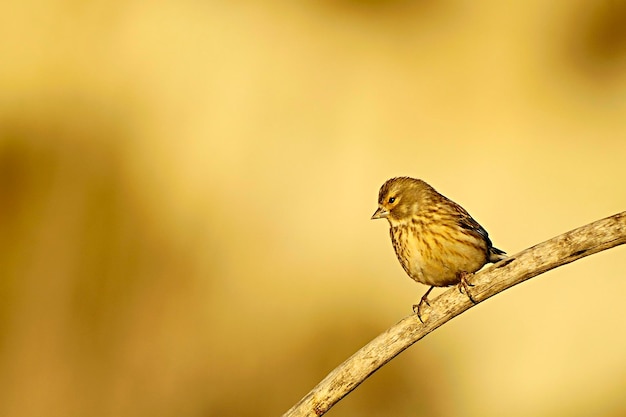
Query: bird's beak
point(380, 213)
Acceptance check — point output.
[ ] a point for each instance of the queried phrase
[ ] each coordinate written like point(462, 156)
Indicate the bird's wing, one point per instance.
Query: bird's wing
point(467, 222)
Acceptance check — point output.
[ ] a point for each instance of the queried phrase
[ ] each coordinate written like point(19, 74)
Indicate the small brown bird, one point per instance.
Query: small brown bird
point(437, 242)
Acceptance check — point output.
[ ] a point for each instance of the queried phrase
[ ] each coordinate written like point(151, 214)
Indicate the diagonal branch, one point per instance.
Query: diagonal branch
point(563, 249)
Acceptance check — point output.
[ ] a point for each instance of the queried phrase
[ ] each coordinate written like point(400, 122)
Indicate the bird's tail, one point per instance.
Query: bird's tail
point(496, 254)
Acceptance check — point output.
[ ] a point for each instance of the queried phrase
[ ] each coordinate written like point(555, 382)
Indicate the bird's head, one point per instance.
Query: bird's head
point(400, 198)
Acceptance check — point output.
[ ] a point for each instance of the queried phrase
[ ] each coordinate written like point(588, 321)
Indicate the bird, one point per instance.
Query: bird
point(436, 240)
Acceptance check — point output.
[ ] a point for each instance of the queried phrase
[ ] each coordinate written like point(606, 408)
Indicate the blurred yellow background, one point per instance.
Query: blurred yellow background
point(186, 190)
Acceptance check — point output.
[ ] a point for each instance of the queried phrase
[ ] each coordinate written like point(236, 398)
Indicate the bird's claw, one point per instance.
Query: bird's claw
point(417, 308)
point(464, 285)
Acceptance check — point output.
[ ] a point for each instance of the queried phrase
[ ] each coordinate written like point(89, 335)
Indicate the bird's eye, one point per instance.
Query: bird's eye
point(391, 200)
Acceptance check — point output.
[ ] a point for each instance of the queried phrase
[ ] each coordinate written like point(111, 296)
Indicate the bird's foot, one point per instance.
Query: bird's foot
point(464, 285)
point(417, 308)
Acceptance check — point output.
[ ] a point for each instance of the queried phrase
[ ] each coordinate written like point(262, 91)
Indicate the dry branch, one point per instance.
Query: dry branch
point(568, 247)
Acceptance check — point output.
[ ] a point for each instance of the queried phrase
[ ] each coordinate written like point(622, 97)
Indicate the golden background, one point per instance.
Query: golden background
point(186, 190)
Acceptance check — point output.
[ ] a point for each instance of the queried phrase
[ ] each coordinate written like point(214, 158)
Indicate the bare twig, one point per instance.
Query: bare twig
point(568, 247)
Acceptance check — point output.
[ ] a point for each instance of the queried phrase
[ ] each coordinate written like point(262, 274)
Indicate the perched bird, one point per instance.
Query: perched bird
point(436, 241)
